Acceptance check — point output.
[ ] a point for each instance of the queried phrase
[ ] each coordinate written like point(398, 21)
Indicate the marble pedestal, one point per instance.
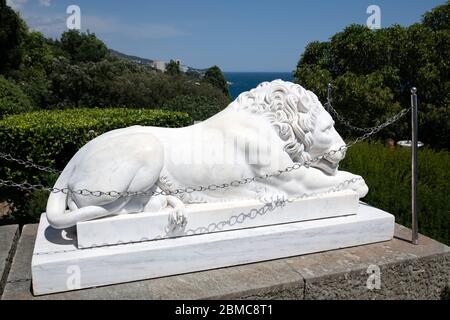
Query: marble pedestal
point(213, 217)
point(59, 265)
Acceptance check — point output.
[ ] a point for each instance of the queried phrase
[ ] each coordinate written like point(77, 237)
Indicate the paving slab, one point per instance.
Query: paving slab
point(9, 235)
point(406, 272)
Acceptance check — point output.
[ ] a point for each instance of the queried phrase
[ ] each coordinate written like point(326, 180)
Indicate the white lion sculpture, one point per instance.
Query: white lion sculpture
point(263, 131)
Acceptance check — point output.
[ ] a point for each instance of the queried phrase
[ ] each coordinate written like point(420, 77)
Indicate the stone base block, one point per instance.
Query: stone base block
point(213, 217)
point(58, 265)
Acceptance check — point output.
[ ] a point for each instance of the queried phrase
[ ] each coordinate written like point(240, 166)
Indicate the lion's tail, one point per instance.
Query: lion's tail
point(57, 203)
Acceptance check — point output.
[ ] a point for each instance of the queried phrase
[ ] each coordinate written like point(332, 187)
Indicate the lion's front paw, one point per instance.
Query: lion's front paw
point(177, 222)
point(177, 217)
point(271, 198)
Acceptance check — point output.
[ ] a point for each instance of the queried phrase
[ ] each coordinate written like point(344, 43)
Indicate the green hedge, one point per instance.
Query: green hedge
point(198, 107)
point(51, 138)
point(388, 174)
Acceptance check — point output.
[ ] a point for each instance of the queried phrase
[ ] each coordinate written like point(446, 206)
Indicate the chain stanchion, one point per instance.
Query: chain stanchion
point(414, 150)
point(414, 166)
point(330, 93)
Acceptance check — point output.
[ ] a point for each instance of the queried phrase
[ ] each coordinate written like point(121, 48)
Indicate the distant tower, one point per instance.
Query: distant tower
point(159, 65)
point(183, 67)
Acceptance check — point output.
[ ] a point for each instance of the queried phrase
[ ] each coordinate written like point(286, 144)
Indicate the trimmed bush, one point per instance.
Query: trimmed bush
point(387, 172)
point(51, 138)
point(198, 107)
point(12, 99)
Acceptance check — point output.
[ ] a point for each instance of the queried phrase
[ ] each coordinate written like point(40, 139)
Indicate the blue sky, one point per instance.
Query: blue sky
point(243, 35)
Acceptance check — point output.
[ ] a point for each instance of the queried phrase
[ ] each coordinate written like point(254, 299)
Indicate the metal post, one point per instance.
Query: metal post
point(414, 176)
point(330, 93)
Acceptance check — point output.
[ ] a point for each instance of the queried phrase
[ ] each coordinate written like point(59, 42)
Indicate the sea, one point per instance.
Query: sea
point(239, 82)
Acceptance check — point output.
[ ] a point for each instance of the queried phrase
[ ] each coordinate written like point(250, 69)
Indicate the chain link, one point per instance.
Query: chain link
point(346, 123)
point(26, 163)
point(377, 129)
point(341, 119)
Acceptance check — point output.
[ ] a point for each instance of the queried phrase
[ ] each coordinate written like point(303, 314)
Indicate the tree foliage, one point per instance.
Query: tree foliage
point(373, 71)
point(438, 19)
point(173, 68)
point(12, 32)
point(78, 70)
point(12, 99)
point(115, 82)
point(215, 77)
point(83, 47)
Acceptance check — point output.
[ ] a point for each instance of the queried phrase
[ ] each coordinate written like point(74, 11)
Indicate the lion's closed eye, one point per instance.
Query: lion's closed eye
point(328, 129)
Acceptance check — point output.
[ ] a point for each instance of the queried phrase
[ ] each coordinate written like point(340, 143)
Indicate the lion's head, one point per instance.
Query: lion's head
point(299, 119)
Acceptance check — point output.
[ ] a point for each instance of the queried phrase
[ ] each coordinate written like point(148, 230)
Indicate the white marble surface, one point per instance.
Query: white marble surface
point(147, 226)
point(264, 131)
point(57, 264)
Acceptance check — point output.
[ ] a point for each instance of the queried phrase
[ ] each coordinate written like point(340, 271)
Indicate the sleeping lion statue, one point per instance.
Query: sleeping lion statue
point(262, 132)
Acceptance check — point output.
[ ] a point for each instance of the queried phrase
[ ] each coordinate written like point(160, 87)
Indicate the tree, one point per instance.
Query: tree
point(215, 77)
point(12, 32)
point(173, 68)
point(37, 52)
point(70, 82)
point(83, 47)
point(438, 18)
point(374, 70)
point(78, 71)
point(317, 53)
point(32, 74)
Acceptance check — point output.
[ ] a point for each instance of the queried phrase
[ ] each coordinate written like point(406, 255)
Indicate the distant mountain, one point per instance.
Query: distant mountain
point(131, 58)
point(149, 62)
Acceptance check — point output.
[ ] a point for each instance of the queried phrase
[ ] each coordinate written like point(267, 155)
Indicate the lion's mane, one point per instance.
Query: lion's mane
point(291, 110)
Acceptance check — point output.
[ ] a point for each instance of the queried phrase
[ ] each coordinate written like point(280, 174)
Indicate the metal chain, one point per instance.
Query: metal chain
point(268, 207)
point(211, 187)
point(345, 122)
point(341, 119)
point(377, 129)
point(211, 228)
point(26, 163)
point(271, 206)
